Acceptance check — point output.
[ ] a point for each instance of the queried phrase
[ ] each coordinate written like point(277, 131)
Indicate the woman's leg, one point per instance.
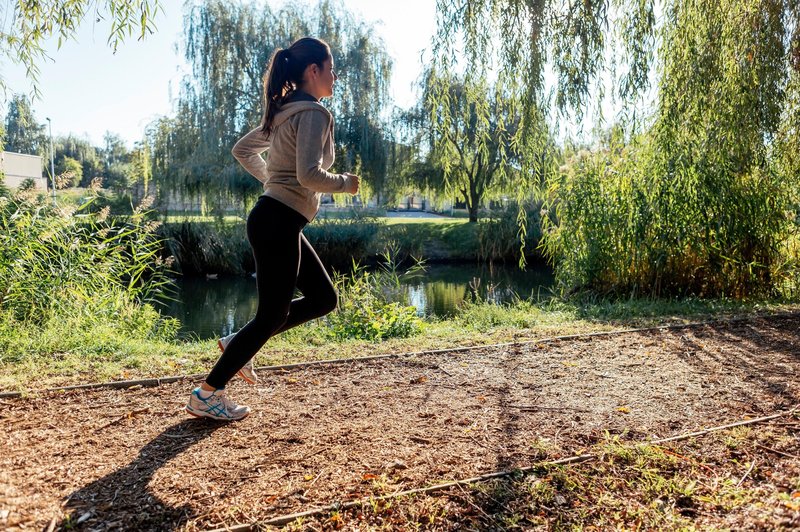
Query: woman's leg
point(274, 233)
point(319, 295)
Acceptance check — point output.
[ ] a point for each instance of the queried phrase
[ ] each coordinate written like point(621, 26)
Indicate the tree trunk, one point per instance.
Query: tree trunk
point(474, 201)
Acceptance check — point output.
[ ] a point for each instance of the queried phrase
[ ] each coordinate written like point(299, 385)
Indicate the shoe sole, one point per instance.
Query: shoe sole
point(249, 381)
point(195, 414)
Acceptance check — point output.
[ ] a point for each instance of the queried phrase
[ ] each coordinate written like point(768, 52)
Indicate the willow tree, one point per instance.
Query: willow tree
point(27, 25)
point(699, 202)
point(577, 39)
point(472, 132)
point(518, 40)
point(228, 45)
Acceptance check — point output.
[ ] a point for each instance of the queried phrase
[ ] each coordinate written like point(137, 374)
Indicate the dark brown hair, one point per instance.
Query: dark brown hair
point(285, 73)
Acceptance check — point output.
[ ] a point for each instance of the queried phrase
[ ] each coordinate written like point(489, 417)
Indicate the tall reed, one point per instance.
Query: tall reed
point(66, 265)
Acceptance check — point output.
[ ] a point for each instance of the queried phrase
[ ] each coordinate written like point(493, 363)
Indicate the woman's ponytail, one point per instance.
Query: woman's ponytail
point(276, 87)
point(285, 74)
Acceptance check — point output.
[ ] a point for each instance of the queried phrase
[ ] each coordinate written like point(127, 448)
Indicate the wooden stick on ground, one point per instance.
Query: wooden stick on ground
point(722, 427)
point(752, 465)
point(533, 408)
point(770, 449)
point(286, 519)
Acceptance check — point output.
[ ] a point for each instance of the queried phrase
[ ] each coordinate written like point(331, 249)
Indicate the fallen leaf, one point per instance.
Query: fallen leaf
point(308, 477)
point(624, 410)
point(368, 476)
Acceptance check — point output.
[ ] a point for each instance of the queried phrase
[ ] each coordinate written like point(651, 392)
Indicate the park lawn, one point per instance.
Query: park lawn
point(37, 359)
point(440, 238)
point(395, 220)
point(197, 218)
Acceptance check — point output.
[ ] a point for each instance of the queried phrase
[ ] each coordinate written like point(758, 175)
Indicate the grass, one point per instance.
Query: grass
point(433, 221)
point(181, 218)
point(442, 238)
point(57, 355)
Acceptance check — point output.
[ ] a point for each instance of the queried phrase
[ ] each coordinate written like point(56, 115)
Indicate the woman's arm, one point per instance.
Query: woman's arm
point(312, 132)
point(248, 152)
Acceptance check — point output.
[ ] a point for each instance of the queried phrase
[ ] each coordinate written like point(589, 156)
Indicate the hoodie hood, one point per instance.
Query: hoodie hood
point(290, 109)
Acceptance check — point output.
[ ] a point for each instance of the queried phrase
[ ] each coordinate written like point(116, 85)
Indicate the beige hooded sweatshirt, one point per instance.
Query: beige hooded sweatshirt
point(300, 153)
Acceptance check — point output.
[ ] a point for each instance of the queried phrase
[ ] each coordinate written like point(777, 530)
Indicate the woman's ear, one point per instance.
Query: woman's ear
point(312, 70)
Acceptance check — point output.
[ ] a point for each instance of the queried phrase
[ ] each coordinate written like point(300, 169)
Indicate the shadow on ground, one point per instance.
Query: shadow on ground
point(123, 499)
point(751, 355)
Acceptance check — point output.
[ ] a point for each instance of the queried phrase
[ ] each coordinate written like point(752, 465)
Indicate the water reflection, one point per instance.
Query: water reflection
point(210, 308)
point(445, 287)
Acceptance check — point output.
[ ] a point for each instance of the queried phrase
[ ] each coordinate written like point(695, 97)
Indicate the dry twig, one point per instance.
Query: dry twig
point(533, 408)
point(770, 449)
point(752, 465)
point(123, 417)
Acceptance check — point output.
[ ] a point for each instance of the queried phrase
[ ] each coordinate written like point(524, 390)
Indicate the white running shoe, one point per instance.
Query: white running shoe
point(216, 406)
point(247, 372)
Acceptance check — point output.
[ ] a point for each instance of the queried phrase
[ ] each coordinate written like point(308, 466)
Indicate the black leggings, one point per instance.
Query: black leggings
point(284, 260)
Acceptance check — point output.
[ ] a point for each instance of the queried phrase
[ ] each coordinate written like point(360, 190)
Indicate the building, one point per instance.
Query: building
point(17, 167)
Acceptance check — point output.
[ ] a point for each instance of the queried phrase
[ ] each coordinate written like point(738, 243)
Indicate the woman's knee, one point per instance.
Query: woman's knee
point(271, 321)
point(328, 300)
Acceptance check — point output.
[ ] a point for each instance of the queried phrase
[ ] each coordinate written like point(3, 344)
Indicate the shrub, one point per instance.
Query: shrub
point(632, 221)
point(365, 311)
point(208, 247)
point(340, 241)
point(499, 236)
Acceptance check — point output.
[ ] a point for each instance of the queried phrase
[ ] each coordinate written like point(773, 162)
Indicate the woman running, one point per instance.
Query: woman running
point(298, 132)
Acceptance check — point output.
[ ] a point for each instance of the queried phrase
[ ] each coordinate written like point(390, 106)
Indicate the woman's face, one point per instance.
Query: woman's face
point(319, 81)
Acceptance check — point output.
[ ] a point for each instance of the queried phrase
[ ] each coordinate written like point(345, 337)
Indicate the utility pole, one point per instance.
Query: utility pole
point(52, 161)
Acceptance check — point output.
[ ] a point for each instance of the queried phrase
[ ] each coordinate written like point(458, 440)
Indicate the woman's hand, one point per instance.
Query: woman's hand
point(352, 183)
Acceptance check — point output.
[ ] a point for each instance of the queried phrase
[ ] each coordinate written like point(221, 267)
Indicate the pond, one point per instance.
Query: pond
point(209, 308)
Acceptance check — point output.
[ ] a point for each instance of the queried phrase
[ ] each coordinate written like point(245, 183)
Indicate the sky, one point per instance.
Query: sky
point(88, 90)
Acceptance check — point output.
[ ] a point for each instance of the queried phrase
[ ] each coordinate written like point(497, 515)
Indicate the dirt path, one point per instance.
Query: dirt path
point(111, 459)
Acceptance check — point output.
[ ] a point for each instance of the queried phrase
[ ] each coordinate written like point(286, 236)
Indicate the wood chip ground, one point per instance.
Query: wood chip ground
point(133, 459)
